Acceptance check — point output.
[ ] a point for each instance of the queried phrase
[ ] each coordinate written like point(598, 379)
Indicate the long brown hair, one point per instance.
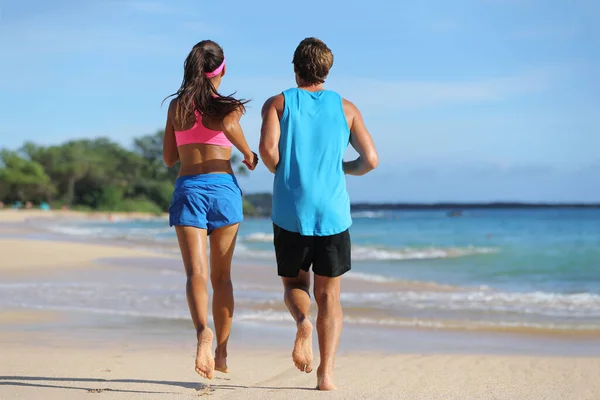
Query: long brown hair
point(197, 93)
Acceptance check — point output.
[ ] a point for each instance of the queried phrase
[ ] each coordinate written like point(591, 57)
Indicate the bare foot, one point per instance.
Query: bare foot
point(221, 360)
point(205, 363)
point(303, 352)
point(324, 381)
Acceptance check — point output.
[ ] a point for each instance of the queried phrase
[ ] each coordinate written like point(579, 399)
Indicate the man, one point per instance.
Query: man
point(305, 132)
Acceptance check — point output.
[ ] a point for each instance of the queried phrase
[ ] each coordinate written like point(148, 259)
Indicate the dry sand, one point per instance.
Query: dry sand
point(31, 256)
point(38, 256)
point(48, 364)
point(31, 369)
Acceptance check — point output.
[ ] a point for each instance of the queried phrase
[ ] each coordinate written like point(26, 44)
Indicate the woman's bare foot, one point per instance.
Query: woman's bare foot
point(205, 363)
point(324, 381)
point(303, 352)
point(221, 360)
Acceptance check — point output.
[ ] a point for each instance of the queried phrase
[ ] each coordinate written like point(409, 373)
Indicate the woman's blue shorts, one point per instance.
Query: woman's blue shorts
point(206, 201)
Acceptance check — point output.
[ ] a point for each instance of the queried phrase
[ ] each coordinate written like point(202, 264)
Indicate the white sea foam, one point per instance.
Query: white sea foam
point(109, 231)
point(369, 277)
point(372, 253)
point(525, 303)
point(368, 214)
point(414, 253)
point(283, 316)
point(461, 324)
point(359, 252)
point(259, 237)
point(77, 230)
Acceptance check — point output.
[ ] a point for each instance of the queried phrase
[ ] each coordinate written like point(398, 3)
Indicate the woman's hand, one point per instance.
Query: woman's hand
point(251, 160)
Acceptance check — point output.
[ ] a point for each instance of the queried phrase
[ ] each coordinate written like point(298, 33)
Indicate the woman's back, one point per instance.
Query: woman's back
point(202, 146)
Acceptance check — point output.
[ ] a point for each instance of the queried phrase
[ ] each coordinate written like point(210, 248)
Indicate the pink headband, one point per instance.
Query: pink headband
point(216, 71)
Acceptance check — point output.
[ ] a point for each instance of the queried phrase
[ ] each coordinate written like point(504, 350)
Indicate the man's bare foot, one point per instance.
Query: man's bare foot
point(205, 363)
point(324, 381)
point(221, 360)
point(303, 352)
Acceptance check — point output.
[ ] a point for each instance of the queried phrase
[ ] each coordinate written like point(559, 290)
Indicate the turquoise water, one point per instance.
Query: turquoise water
point(490, 268)
point(525, 250)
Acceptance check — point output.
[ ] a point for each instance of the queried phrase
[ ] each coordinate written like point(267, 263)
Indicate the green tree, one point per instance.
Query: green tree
point(24, 179)
point(66, 164)
point(94, 174)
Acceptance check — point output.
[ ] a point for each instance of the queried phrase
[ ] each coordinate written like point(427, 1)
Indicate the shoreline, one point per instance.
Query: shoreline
point(99, 254)
point(78, 325)
point(62, 354)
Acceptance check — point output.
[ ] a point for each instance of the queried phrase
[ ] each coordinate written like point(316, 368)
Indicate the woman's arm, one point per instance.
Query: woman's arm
point(170, 153)
point(233, 131)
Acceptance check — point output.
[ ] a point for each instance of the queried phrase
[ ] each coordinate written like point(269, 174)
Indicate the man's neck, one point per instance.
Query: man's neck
point(311, 88)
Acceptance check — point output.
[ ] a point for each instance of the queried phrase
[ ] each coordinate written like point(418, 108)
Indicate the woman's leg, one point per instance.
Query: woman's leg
point(222, 244)
point(192, 242)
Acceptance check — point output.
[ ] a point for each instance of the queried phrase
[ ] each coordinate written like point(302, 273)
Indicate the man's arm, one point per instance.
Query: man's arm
point(361, 140)
point(270, 132)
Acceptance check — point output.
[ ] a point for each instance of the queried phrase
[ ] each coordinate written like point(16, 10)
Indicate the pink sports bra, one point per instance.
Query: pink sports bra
point(201, 134)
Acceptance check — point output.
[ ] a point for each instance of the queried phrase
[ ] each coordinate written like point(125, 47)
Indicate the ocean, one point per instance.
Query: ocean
point(517, 269)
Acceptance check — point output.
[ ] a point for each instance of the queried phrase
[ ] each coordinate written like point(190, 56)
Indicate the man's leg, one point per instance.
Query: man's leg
point(329, 327)
point(332, 260)
point(297, 300)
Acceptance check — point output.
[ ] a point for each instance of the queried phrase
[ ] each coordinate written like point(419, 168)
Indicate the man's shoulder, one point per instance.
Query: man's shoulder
point(348, 103)
point(277, 102)
point(349, 108)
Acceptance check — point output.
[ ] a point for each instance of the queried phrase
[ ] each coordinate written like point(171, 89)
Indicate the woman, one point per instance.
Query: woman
point(202, 126)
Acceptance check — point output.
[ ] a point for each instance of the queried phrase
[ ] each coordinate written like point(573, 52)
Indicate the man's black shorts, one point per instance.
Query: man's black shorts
point(328, 255)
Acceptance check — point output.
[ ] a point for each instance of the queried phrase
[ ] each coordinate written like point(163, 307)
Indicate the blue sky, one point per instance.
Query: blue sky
point(477, 100)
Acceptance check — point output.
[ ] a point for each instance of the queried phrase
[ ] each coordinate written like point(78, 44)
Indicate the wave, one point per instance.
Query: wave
point(259, 237)
point(157, 234)
point(283, 316)
point(76, 230)
point(470, 325)
point(374, 253)
point(580, 305)
point(368, 214)
point(369, 277)
point(274, 316)
point(456, 310)
point(111, 231)
point(414, 253)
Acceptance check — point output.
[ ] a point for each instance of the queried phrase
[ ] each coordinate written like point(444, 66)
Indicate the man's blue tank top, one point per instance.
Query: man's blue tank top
point(309, 191)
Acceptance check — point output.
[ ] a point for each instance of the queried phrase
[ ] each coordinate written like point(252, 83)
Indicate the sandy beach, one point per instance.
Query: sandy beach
point(51, 354)
point(34, 367)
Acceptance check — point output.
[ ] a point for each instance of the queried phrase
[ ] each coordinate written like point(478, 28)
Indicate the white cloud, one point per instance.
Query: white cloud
point(385, 95)
point(410, 95)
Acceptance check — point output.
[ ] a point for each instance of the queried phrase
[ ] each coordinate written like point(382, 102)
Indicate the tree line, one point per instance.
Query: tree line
point(92, 174)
